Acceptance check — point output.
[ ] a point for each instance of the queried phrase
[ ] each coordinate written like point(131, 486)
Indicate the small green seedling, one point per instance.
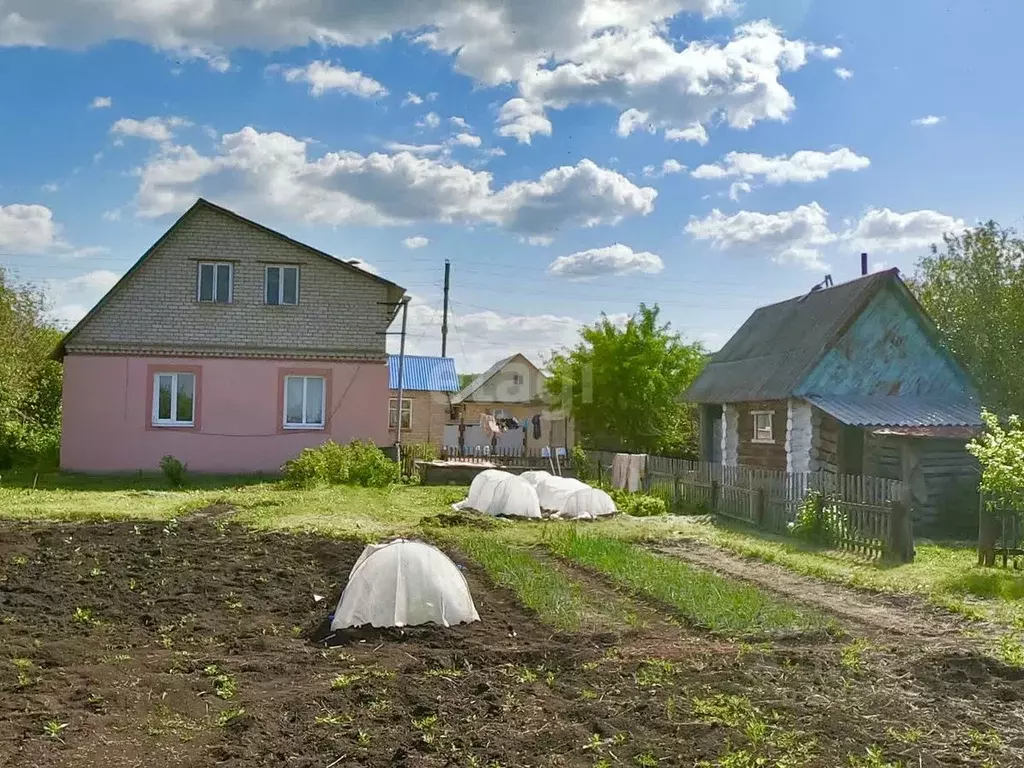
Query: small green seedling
point(53, 730)
point(363, 739)
point(341, 682)
point(229, 716)
point(82, 616)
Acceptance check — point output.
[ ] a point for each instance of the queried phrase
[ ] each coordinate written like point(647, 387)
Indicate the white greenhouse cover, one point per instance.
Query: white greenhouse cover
point(501, 493)
point(587, 503)
point(536, 476)
point(403, 584)
point(554, 491)
point(481, 490)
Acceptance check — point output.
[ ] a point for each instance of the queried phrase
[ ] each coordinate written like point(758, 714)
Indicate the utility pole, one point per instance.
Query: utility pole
point(401, 380)
point(403, 304)
point(444, 321)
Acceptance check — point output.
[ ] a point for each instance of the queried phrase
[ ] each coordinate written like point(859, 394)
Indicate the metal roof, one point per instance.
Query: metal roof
point(424, 374)
point(482, 379)
point(779, 344)
point(902, 412)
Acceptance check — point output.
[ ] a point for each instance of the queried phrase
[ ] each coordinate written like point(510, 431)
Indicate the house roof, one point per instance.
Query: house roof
point(201, 203)
point(424, 374)
point(486, 376)
point(900, 412)
point(778, 345)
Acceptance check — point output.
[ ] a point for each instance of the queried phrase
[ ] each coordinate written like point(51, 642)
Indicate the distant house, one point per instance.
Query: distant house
point(852, 379)
point(511, 389)
point(429, 383)
point(229, 346)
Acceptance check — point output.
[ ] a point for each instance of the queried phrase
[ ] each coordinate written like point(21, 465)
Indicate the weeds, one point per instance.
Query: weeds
point(851, 655)
point(363, 739)
point(53, 729)
point(655, 673)
point(229, 716)
point(872, 758)
point(224, 685)
point(704, 598)
point(83, 616)
point(341, 682)
point(1011, 650)
point(646, 760)
point(723, 709)
point(25, 669)
point(330, 717)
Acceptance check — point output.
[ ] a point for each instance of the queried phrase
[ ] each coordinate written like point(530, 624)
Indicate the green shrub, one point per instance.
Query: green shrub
point(817, 520)
point(581, 463)
point(25, 444)
point(358, 463)
point(638, 504)
point(173, 470)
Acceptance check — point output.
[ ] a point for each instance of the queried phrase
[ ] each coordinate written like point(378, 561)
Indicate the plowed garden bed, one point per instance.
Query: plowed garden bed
point(189, 645)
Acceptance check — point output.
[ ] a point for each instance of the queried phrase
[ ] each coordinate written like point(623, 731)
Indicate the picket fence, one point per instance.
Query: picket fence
point(868, 516)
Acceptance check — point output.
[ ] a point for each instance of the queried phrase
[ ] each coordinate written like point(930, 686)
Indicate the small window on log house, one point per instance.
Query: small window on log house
point(763, 432)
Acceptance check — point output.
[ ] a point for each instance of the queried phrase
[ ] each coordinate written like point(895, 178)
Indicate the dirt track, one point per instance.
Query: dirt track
point(188, 647)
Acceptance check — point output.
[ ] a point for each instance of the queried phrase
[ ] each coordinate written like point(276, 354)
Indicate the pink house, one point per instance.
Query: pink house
point(229, 346)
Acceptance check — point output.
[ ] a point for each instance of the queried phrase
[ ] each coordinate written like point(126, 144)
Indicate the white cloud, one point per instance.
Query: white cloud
point(828, 52)
point(521, 119)
point(679, 91)
point(738, 188)
point(798, 236)
point(411, 98)
point(266, 172)
point(432, 96)
point(415, 149)
point(152, 128)
point(51, 187)
point(101, 102)
point(28, 229)
point(430, 120)
point(615, 259)
point(459, 122)
point(668, 167)
point(324, 76)
point(417, 241)
point(887, 231)
point(467, 140)
point(365, 266)
point(73, 297)
point(843, 73)
point(113, 214)
point(927, 121)
point(801, 167)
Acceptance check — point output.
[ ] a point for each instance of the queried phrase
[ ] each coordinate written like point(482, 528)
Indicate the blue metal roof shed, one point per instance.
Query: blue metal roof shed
point(424, 374)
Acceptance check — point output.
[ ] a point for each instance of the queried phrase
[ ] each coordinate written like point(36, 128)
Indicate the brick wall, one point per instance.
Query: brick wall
point(338, 314)
point(767, 455)
point(429, 415)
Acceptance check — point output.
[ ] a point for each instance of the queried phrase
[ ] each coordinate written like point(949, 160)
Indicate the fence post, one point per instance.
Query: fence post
point(759, 507)
point(988, 533)
point(714, 496)
point(677, 491)
point(900, 546)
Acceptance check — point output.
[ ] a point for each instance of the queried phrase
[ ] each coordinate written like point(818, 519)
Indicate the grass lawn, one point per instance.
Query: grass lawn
point(945, 573)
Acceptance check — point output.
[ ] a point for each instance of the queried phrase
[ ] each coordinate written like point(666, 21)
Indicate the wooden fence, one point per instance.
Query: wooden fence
point(1000, 534)
point(868, 516)
point(515, 459)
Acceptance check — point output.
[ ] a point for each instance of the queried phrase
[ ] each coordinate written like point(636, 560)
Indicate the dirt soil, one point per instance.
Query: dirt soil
point(190, 645)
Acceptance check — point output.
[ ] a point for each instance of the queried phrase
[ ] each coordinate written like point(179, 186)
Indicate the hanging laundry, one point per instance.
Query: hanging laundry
point(489, 425)
point(536, 426)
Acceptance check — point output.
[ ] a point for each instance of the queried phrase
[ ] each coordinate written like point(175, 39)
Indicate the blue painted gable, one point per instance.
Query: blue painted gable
point(887, 351)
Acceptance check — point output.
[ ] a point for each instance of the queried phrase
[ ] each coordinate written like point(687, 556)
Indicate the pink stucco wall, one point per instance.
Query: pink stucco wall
point(108, 413)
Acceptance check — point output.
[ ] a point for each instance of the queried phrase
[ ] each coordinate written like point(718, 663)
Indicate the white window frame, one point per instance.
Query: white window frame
point(393, 410)
point(231, 281)
point(500, 413)
point(173, 421)
point(280, 284)
point(323, 405)
point(517, 379)
point(771, 427)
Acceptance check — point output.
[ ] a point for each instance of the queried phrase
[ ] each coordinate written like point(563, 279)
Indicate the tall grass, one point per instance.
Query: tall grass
point(702, 598)
point(559, 600)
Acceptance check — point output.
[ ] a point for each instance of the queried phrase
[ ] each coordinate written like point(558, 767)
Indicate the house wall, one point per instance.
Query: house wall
point(825, 431)
point(430, 411)
point(555, 430)
point(108, 412)
point(766, 455)
point(799, 436)
point(156, 311)
point(501, 387)
point(886, 351)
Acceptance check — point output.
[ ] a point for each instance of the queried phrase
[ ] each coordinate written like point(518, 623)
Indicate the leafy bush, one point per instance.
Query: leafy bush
point(358, 463)
point(817, 521)
point(26, 444)
point(638, 504)
point(580, 463)
point(173, 470)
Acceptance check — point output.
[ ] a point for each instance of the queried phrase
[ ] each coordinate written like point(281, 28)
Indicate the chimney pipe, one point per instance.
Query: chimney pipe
point(863, 264)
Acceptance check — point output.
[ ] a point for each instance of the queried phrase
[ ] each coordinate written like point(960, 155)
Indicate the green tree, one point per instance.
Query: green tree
point(30, 383)
point(465, 379)
point(1000, 452)
point(974, 290)
point(622, 385)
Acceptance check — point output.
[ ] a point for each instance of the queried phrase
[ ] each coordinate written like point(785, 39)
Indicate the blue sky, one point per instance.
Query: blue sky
point(568, 156)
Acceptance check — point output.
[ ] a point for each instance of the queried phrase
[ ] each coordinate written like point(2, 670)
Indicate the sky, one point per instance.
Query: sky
point(569, 157)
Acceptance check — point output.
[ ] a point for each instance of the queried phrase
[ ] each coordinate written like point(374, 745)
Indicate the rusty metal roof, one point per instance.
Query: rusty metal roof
point(779, 344)
point(900, 412)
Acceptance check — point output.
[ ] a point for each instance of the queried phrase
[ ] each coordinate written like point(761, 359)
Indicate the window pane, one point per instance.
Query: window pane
point(165, 388)
point(186, 397)
point(291, 285)
point(293, 400)
point(314, 400)
point(273, 284)
point(206, 282)
point(223, 282)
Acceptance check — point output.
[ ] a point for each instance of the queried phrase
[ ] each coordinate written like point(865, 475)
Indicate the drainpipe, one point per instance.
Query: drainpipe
point(863, 264)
